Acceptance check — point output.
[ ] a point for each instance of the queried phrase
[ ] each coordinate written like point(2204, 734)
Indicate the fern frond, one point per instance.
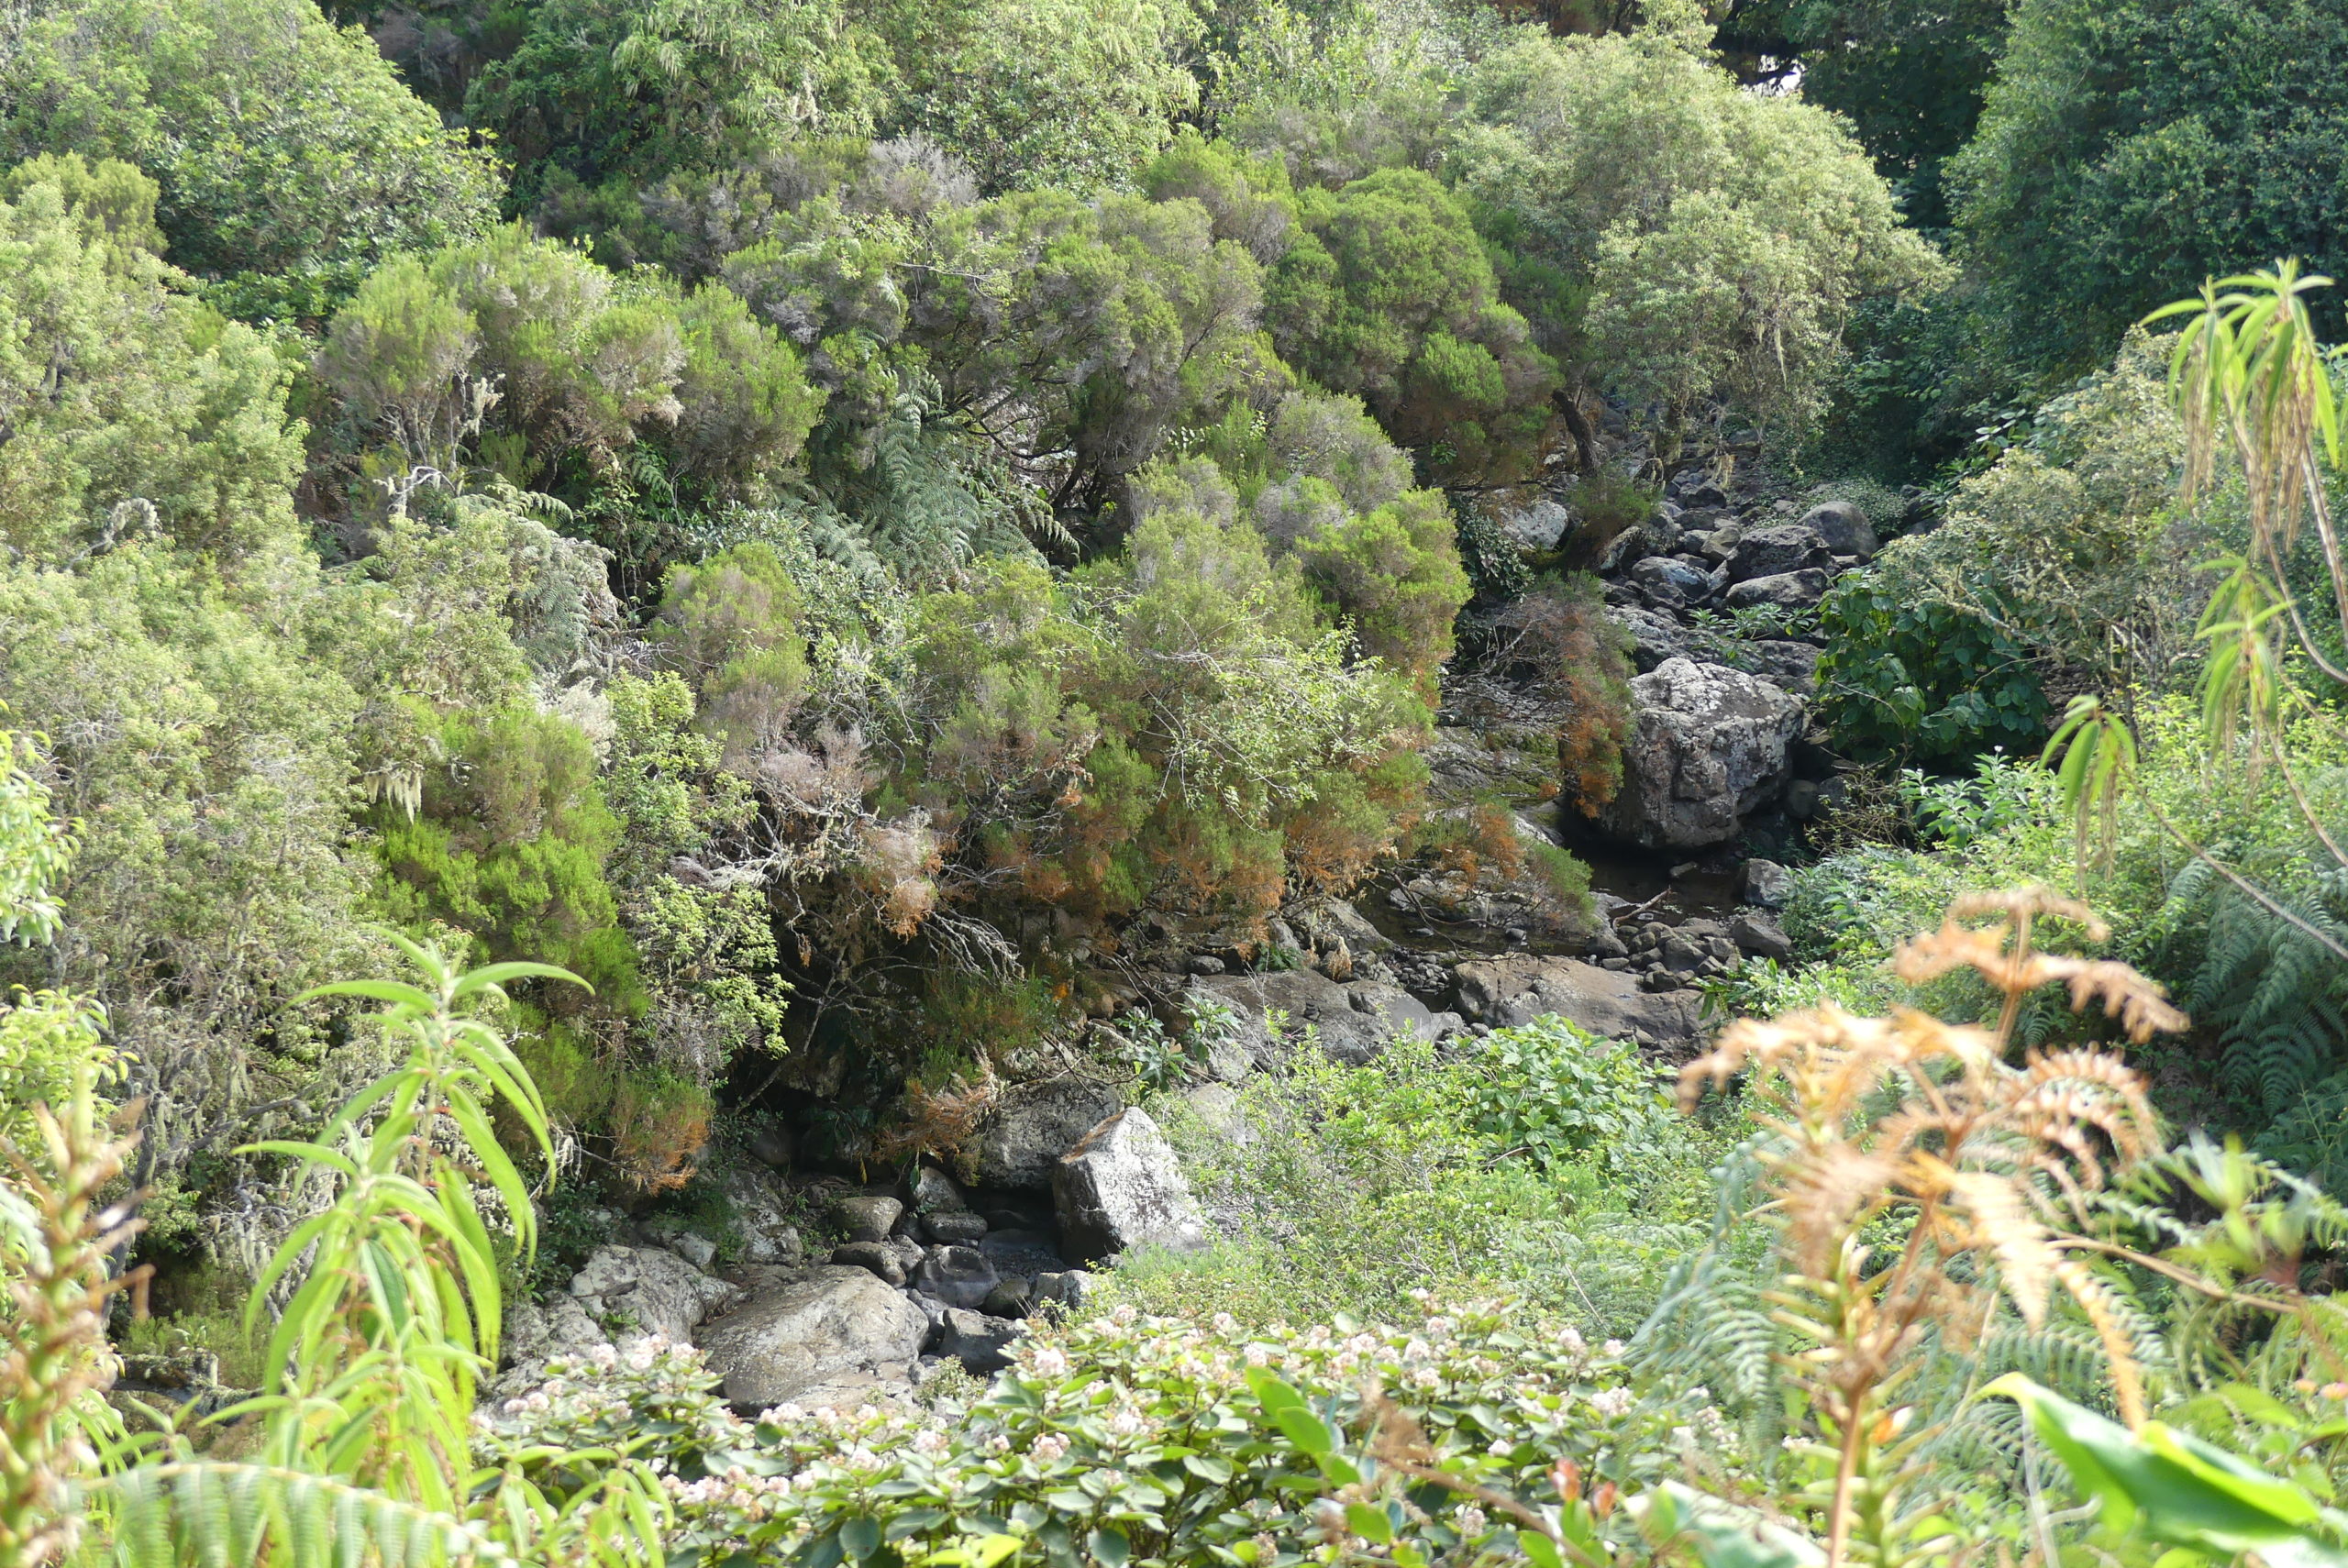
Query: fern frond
point(229, 1514)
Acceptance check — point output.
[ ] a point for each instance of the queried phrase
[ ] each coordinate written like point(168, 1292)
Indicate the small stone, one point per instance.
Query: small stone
point(698, 1250)
point(1205, 964)
point(1801, 800)
point(1761, 936)
point(1616, 965)
point(1766, 883)
point(864, 1216)
point(1010, 1299)
point(958, 1228)
point(876, 1258)
point(1720, 947)
point(1659, 980)
point(772, 1145)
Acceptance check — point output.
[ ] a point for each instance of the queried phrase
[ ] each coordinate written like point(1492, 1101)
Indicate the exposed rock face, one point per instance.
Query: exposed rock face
point(759, 1209)
point(653, 1289)
point(1306, 997)
point(1512, 990)
point(821, 1336)
point(1539, 526)
point(1026, 1131)
point(1845, 528)
point(1709, 746)
point(1655, 636)
point(1121, 1187)
point(1765, 882)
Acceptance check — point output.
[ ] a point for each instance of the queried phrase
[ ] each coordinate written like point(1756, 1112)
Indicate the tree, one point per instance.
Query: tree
point(1388, 293)
point(127, 409)
point(2130, 150)
point(1909, 77)
point(290, 157)
point(522, 357)
point(636, 89)
point(1030, 93)
point(1680, 241)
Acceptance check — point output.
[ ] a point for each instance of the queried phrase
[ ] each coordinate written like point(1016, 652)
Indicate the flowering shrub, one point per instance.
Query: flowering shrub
point(1125, 1437)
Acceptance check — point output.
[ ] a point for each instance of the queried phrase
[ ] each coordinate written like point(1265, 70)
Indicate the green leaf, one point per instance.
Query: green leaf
point(2174, 1487)
point(1109, 1547)
point(1370, 1524)
point(861, 1537)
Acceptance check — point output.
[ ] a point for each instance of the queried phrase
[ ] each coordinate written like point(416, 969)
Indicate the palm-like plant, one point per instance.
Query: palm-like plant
point(366, 1423)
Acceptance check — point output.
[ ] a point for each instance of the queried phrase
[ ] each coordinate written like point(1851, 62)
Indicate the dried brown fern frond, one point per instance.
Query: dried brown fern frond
point(1912, 1126)
point(943, 1121)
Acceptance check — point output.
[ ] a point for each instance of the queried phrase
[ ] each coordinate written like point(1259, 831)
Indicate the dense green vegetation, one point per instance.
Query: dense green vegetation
point(764, 551)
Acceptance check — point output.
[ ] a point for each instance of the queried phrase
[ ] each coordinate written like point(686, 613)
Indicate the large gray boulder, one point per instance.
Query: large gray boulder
point(1708, 744)
point(1671, 580)
point(1539, 526)
point(1121, 1188)
point(1765, 552)
point(1025, 1131)
point(1512, 990)
point(1845, 528)
point(1655, 637)
point(819, 1336)
point(646, 1291)
point(1781, 590)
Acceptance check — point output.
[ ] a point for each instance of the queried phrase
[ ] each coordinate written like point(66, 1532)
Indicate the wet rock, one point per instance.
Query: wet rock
point(1024, 1134)
point(1844, 527)
point(1121, 1188)
point(642, 1291)
point(878, 1258)
point(864, 1216)
point(1786, 590)
point(1708, 746)
point(824, 1335)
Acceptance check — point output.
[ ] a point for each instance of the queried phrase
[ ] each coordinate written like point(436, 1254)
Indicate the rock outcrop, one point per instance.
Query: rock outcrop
point(1026, 1130)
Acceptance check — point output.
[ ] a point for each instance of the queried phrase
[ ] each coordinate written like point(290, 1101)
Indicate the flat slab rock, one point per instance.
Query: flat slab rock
point(1354, 1023)
point(1515, 989)
point(822, 1335)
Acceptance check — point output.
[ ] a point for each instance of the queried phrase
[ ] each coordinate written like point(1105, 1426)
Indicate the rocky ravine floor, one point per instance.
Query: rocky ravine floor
point(913, 1275)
